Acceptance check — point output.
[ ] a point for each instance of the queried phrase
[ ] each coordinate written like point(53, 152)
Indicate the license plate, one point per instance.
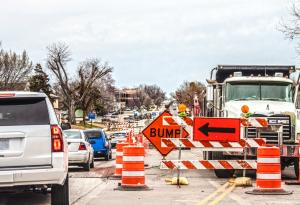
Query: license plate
point(4, 144)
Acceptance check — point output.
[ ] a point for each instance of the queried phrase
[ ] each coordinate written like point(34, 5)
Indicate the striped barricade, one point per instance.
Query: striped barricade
point(189, 143)
point(207, 164)
point(186, 122)
point(255, 122)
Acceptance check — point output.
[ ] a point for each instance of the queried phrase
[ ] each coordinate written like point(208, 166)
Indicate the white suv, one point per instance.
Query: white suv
point(33, 151)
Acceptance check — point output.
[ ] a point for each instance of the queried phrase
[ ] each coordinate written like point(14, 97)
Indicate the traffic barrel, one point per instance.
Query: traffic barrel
point(268, 173)
point(119, 159)
point(133, 171)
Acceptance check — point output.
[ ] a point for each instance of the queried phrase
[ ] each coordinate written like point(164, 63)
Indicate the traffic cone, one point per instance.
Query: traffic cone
point(268, 173)
point(296, 182)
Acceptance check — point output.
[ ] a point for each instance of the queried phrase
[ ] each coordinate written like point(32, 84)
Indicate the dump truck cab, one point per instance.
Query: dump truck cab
point(269, 91)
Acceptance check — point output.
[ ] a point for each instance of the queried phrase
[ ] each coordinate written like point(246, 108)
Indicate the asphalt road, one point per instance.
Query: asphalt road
point(95, 187)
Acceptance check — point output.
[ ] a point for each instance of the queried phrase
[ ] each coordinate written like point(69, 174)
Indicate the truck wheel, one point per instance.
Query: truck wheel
point(60, 193)
point(296, 167)
point(221, 173)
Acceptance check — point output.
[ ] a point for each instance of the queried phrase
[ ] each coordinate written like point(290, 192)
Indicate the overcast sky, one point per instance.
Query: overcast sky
point(161, 42)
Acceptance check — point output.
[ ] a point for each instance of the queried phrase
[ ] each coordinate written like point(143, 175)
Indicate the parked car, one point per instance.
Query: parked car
point(33, 149)
point(80, 150)
point(117, 137)
point(100, 142)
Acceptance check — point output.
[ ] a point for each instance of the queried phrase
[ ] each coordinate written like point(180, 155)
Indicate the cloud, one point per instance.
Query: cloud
point(161, 42)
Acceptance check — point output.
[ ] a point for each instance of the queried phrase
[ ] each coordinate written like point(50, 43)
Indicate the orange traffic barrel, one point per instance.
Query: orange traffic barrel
point(268, 173)
point(119, 158)
point(133, 172)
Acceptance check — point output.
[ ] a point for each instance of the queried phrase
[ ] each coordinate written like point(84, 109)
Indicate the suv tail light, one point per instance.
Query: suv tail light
point(106, 144)
point(82, 146)
point(57, 139)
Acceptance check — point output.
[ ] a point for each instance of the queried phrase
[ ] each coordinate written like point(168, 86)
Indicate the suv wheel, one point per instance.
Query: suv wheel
point(107, 157)
point(110, 154)
point(60, 193)
point(87, 166)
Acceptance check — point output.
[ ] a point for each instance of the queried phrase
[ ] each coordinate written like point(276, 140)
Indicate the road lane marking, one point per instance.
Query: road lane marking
point(212, 195)
point(233, 196)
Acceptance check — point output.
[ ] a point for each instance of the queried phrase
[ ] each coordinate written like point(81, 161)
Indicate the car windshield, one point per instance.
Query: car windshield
point(72, 134)
point(93, 134)
point(259, 91)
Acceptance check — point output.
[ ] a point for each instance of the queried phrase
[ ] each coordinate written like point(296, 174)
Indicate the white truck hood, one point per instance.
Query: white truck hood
point(233, 108)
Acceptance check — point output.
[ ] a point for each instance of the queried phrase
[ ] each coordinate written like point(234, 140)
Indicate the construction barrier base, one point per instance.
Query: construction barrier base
point(292, 182)
point(130, 188)
point(269, 192)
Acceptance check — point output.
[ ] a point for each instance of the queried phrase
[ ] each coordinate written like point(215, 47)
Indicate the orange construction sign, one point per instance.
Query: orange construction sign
point(156, 131)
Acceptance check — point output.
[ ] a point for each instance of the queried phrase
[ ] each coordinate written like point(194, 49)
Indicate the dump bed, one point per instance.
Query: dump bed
point(224, 71)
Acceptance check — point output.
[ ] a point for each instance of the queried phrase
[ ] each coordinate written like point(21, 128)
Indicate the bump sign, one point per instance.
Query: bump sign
point(156, 131)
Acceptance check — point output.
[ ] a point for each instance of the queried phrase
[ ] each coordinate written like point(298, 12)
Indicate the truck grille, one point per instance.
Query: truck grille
point(272, 137)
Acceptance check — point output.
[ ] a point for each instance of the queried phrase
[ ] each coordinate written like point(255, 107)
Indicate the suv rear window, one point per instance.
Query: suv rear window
point(23, 111)
point(93, 134)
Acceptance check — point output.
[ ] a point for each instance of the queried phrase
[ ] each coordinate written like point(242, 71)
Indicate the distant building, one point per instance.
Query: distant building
point(125, 97)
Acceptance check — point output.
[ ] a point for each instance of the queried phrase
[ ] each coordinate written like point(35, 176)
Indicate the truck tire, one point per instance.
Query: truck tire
point(221, 173)
point(60, 193)
point(296, 167)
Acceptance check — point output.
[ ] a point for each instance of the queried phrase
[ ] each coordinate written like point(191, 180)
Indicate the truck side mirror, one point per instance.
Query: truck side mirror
point(209, 93)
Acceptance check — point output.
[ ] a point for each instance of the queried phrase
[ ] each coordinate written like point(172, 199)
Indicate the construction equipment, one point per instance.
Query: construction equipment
point(268, 91)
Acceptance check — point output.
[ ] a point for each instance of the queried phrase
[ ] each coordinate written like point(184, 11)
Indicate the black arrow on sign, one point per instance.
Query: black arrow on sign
point(205, 129)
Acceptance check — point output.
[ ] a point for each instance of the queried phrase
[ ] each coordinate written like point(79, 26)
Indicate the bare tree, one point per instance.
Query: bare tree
point(148, 95)
point(155, 93)
point(14, 69)
point(106, 91)
point(58, 56)
point(291, 27)
point(186, 92)
point(90, 72)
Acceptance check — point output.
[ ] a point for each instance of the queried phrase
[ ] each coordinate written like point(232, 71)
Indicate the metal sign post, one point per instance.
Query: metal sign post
point(179, 157)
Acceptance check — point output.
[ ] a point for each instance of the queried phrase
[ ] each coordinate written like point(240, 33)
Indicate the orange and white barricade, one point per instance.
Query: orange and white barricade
point(187, 122)
point(133, 171)
point(268, 172)
point(119, 159)
point(189, 143)
point(207, 164)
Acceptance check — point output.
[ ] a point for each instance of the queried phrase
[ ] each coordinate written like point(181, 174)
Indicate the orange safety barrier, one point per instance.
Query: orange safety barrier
point(119, 158)
point(133, 172)
point(268, 173)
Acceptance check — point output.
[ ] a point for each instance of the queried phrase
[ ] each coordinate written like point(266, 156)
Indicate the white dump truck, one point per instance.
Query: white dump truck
point(269, 91)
